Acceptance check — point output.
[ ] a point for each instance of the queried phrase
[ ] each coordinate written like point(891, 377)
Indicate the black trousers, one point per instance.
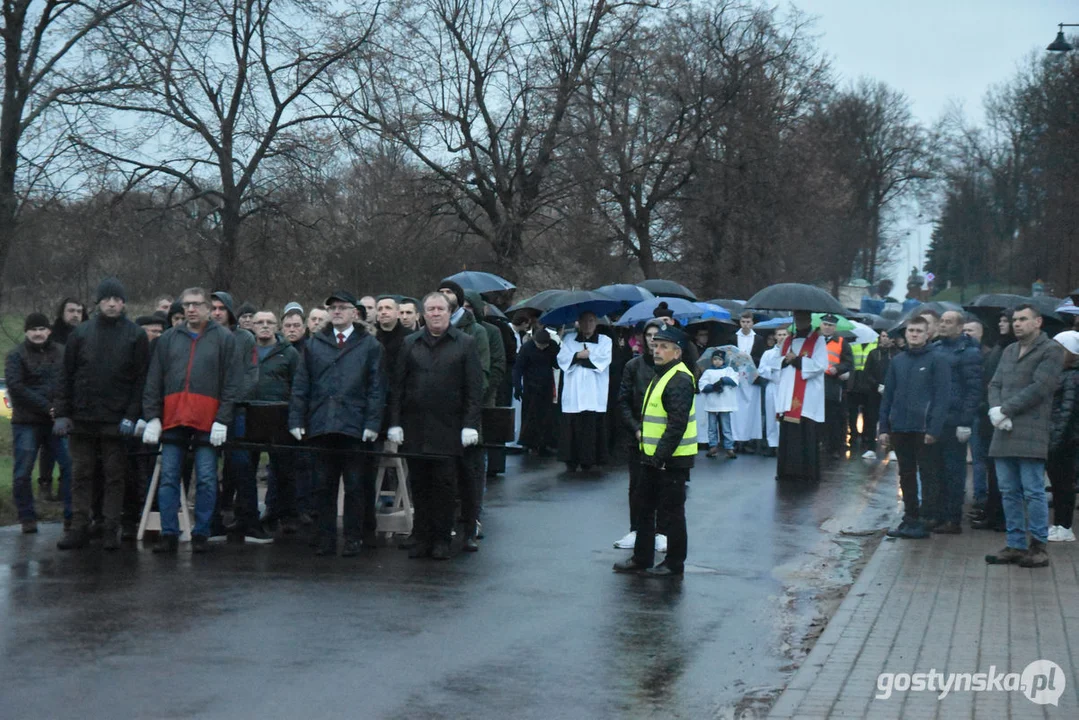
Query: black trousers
point(433, 484)
point(915, 457)
point(1061, 469)
point(349, 467)
point(661, 494)
point(92, 442)
point(470, 484)
point(835, 424)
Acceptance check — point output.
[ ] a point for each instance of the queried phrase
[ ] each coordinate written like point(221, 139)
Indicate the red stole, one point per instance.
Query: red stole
point(795, 413)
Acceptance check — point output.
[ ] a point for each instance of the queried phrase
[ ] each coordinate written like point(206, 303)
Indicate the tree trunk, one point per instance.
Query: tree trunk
point(227, 251)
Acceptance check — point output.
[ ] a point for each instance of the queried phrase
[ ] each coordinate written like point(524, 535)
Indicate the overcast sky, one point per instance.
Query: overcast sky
point(936, 52)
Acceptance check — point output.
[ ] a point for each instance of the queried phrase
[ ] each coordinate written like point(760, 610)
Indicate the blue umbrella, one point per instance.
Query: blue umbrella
point(628, 294)
point(774, 324)
point(713, 311)
point(481, 282)
point(573, 304)
point(683, 310)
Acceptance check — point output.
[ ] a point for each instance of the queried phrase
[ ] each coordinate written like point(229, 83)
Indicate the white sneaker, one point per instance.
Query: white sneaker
point(1051, 536)
point(891, 456)
point(627, 542)
point(661, 543)
point(1061, 534)
point(869, 455)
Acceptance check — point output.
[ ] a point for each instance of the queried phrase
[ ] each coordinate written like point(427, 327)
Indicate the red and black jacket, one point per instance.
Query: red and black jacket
point(194, 381)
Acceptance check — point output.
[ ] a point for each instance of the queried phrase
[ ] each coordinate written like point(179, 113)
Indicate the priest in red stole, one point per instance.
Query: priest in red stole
point(800, 402)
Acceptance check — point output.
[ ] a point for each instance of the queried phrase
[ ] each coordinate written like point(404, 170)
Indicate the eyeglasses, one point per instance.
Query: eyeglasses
point(193, 304)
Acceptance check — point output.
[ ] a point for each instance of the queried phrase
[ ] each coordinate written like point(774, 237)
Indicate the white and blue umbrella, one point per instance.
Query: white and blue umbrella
point(774, 324)
point(1068, 308)
point(628, 294)
point(711, 311)
point(684, 311)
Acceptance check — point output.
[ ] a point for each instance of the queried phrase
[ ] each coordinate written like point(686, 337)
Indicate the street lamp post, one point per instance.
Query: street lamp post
point(1060, 44)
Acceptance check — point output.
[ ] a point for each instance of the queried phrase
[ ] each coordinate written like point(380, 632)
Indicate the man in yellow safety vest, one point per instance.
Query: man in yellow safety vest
point(668, 443)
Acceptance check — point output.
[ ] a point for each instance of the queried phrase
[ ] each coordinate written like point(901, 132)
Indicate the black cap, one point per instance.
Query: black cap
point(662, 311)
point(672, 334)
point(110, 287)
point(457, 290)
point(154, 319)
point(246, 309)
point(829, 318)
point(343, 296)
point(35, 320)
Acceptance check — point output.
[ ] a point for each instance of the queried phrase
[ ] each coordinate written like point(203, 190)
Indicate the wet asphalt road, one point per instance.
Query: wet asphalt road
point(535, 625)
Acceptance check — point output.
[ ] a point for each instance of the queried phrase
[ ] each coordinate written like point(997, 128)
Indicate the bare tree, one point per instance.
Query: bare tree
point(47, 59)
point(478, 91)
point(874, 143)
point(644, 110)
point(221, 91)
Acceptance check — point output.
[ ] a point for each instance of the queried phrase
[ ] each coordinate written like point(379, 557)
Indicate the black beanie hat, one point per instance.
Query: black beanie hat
point(176, 308)
point(110, 287)
point(450, 284)
point(35, 320)
point(246, 309)
point(662, 311)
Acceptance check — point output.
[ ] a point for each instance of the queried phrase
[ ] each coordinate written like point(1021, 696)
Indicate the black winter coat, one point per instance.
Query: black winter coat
point(33, 373)
point(533, 372)
point(276, 373)
point(338, 390)
point(636, 376)
point(105, 363)
point(437, 391)
point(964, 359)
point(1064, 422)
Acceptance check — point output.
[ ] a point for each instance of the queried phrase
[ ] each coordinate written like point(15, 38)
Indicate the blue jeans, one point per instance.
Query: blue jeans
point(27, 440)
point(978, 455)
point(172, 465)
point(715, 421)
point(1022, 490)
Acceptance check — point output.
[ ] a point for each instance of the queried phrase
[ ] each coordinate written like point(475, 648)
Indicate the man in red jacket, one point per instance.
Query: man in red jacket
point(194, 380)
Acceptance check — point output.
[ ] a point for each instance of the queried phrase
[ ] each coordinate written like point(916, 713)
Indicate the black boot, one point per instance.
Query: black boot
point(112, 537)
point(470, 544)
point(74, 539)
point(167, 544)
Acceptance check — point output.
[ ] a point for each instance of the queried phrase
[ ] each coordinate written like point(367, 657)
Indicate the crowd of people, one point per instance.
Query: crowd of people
point(95, 394)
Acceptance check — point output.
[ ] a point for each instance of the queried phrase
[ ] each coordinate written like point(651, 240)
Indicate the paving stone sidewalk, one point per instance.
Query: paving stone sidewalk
point(925, 605)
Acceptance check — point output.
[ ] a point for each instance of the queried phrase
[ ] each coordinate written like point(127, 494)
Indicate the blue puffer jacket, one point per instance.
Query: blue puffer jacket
point(338, 390)
point(964, 359)
point(917, 389)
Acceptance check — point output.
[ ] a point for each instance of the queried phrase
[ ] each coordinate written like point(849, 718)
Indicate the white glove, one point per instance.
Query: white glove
point(962, 434)
point(396, 434)
point(845, 377)
point(297, 433)
point(1006, 426)
point(470, 437)
point(152, 433)
point(880, 389)
point(370, 436)
point(218, 433)
point(140, 426)
point(996, 416)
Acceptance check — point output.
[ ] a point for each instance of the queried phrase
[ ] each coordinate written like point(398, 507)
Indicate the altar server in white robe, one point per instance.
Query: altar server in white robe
point(585, 360)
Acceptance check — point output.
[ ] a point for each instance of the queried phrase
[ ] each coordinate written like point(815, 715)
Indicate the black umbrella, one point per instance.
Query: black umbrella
point(997, 301)
point(668, 288)
point(795, 296)
point(481, 282)
point(541, 302)
point(628, 294)
point(1046, 305)
point(940, 306)
point(734, 306)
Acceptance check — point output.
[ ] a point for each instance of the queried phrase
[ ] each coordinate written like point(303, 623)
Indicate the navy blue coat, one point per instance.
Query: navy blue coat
point(964, 358)
point(917, 391)
point(338, 390)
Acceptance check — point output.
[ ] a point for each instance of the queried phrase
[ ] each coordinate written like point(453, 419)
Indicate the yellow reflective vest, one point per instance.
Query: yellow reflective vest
point(654, 416)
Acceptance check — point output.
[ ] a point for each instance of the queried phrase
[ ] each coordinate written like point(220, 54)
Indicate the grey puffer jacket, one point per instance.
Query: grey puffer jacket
point(1023, 388)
